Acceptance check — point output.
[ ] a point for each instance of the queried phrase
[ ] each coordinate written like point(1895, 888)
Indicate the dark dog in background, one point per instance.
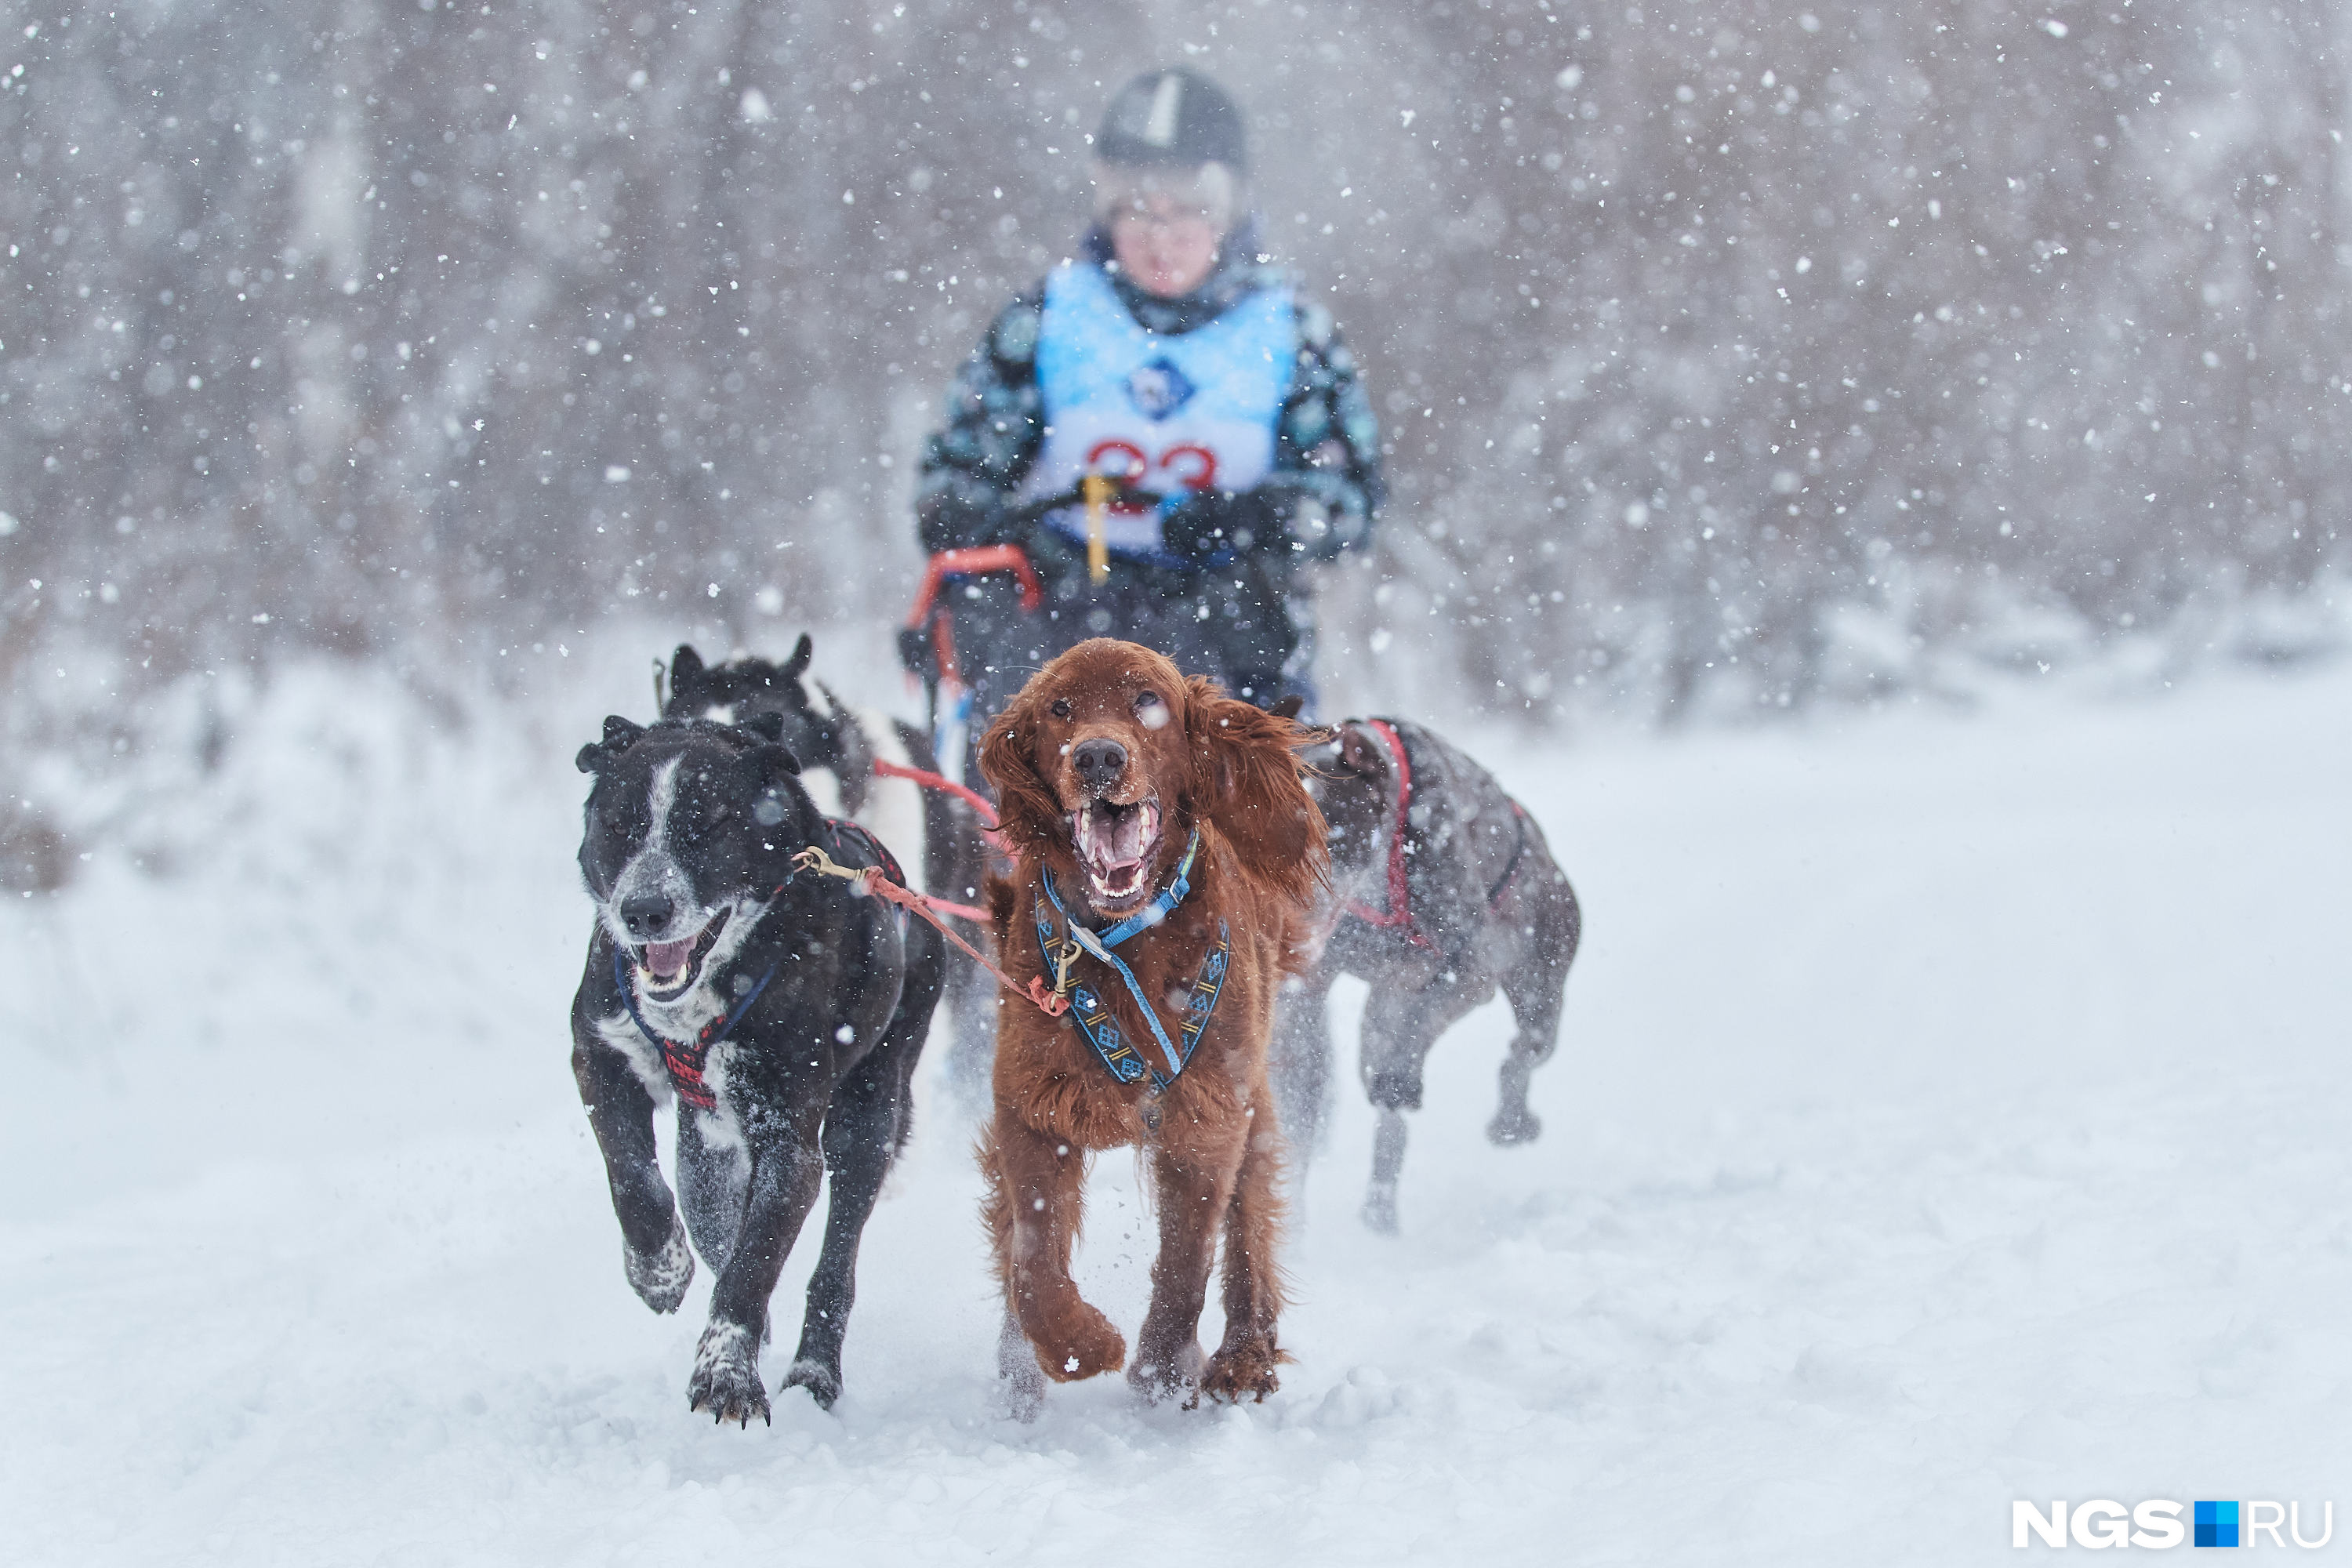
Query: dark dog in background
point(783, 1011)
point(1444, 890)
point(838, 747)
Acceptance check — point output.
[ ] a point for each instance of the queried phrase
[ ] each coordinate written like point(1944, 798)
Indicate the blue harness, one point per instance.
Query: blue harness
point(1094, 1020)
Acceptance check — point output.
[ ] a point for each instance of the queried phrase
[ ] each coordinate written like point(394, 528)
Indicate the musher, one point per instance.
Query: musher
point(1219, 410)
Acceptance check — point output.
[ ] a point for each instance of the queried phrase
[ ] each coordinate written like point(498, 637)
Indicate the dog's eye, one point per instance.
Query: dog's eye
point(1061, 707)
point(1146, 699)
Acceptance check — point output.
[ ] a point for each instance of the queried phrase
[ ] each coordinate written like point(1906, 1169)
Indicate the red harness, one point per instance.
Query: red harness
point(1399, 902)
point(1400, 905)
point(685, 1064)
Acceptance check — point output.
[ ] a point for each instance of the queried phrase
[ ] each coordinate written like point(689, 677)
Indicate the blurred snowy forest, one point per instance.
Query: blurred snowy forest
point(1728, 353)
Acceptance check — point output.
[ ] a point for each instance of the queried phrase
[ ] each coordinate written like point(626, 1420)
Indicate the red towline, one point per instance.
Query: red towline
point(875, 883)
point(979, 803)
point(890, 770)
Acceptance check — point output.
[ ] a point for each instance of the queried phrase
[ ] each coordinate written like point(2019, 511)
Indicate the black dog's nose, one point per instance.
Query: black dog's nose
point(645, 913)
point(1099, 762)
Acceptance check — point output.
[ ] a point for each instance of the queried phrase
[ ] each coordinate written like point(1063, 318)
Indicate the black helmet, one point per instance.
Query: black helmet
point(1175, 116)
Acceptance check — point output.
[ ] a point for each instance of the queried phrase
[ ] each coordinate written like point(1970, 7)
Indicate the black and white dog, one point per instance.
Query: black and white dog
point(838, 747)
point(1443, 890)
point(783, 1011)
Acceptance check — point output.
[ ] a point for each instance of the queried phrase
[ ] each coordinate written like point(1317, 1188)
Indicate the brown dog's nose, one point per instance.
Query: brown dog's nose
point(1099, 762)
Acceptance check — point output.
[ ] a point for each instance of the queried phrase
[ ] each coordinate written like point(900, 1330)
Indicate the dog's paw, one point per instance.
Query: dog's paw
point(660, 1277)
point(1161, 1377)
point(823, 1382)
point(1243, 1372)
point(1081, 1345)
point(1020, 1399)
point(725, 1381)
point(1380, 1209)
point(1516, 1125)
point(1020, 1382)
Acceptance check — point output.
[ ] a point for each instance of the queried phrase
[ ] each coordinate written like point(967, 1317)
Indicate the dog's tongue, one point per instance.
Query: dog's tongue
point(665, 960)
point(1119, 840)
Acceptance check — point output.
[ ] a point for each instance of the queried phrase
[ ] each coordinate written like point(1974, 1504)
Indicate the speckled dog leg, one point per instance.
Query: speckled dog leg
point(660, 1277)
point(726, 1381)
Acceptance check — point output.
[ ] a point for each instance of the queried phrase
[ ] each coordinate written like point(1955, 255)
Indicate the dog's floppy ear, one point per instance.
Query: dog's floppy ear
point(1027, 809)
point(618, 733)
point(1246, 780)
point(797, 665)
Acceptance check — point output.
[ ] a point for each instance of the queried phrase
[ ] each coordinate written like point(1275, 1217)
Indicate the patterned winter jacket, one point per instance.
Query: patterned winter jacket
point(1326, 479)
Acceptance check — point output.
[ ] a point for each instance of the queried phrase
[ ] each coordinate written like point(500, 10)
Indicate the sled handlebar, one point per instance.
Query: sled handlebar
point(971, 563)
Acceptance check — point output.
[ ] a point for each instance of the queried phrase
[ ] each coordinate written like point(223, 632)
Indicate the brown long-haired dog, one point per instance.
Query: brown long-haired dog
point(1120, 783)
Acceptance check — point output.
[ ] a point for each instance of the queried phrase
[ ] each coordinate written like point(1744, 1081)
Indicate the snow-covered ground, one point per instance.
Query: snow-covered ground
point(1950, 1109)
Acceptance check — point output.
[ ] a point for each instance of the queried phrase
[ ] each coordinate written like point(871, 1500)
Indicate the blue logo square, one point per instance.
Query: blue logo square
point(1160, 389)
point(2217, 1524)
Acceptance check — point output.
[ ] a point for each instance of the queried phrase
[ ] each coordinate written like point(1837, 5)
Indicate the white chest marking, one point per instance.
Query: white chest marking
point(624, 1036)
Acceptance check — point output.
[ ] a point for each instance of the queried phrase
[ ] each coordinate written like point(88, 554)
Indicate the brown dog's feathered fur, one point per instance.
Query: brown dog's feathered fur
point(1212, 1144)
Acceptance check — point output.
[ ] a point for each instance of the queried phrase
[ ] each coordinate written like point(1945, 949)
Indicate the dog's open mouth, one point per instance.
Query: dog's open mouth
point(669, 967)
point(1116, 846)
